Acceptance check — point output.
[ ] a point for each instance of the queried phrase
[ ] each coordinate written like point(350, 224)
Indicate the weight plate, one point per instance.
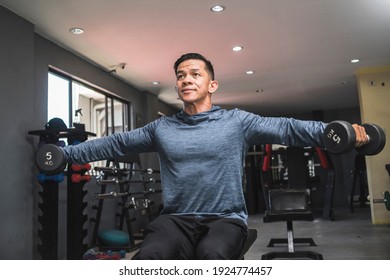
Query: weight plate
point(50, 159)
point(377, 140)
point(387, 200)
point(339, 137)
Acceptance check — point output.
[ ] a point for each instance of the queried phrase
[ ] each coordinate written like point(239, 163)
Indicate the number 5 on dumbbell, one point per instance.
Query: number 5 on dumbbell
point(332, 135)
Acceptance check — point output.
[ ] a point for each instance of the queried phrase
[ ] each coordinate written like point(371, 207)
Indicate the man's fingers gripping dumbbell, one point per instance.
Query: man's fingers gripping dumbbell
point(361, 136)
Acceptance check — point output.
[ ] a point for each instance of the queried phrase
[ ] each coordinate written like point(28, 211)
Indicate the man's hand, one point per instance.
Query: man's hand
point(361, 135)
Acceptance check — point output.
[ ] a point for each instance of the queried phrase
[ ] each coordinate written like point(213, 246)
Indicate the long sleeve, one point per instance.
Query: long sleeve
point(112, 146)
point(284, 131)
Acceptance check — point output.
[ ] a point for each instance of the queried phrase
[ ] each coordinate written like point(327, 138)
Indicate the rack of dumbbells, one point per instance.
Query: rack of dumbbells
point(76, 219)
point(49, 179)
point(129, 199)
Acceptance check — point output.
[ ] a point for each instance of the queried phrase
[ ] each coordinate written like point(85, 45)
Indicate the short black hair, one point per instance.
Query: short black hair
point(187, 56)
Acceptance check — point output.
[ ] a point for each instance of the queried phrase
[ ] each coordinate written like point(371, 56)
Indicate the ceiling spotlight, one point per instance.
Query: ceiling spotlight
point(237, 48)
point(155, 83)
point(249, 72)
point(76, 30)
point(217, 8)
point(355, 60)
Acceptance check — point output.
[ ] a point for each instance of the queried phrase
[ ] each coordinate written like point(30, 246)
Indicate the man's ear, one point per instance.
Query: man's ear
point(213, 86)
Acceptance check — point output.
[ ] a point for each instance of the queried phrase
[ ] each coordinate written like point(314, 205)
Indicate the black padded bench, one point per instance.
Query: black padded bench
point(288, 204)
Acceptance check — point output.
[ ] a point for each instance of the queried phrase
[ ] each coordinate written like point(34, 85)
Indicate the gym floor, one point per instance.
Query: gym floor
point(351, 236)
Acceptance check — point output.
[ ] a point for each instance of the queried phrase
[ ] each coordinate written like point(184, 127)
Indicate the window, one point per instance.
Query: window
point(58, 98)
point(76, 102)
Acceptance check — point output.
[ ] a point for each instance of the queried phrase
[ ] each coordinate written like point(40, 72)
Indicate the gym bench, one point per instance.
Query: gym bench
point(289, 203)
point(250, 239)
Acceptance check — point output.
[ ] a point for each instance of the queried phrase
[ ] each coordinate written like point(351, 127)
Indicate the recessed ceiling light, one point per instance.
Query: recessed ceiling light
point(76, 30)
point(217, 8)
point(249, 72)
point(155, 83)
point(237, 48)
point(355, 60)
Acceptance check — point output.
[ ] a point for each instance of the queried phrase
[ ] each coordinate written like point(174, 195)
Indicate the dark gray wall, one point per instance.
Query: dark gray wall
point(17, 116)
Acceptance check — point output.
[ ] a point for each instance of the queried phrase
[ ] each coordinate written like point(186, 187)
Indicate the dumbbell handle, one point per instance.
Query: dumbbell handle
point(124, 170)
point(375, 200)
point(385, 200)
point(378, 200)
point(117, 181)
point(111, 181)
point(110, 195)
point(118, 194)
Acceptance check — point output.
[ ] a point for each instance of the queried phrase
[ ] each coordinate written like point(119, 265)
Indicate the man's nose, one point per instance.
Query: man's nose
point(186, 80)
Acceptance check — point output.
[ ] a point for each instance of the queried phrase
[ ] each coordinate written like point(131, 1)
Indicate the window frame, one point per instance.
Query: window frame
point(109, 101)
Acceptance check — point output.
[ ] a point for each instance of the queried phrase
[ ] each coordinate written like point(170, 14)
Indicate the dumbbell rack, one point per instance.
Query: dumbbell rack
point(124, 215)
point(48, 219)
point(114, 174)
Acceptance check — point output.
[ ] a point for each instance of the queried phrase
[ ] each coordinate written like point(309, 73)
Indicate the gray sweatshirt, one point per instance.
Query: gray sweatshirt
point(202, 155)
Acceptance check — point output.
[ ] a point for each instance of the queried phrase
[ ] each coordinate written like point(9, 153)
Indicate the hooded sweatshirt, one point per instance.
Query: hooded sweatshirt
point(202, 156)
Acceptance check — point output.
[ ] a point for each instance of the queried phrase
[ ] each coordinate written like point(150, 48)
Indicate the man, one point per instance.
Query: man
point(201, 150)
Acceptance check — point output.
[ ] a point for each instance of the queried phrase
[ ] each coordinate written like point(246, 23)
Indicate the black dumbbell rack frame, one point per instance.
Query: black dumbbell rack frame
point(48, 219)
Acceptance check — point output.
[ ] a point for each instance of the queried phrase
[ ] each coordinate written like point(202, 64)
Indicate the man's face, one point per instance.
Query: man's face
point(193, 82)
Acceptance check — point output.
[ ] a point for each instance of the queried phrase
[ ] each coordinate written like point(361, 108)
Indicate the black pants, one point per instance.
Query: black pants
point(171, 237)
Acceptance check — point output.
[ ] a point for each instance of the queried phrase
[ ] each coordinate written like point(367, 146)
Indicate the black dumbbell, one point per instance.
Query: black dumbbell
point(50, 159)
point(340, 137)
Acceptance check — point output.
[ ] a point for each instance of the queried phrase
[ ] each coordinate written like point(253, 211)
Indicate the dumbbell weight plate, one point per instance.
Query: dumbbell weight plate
point(387, 200)
point(50, 159)
point(377, 140)
point(339, 137)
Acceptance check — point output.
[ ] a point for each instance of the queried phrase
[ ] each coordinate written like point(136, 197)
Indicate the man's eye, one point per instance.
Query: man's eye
point(196, 74)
